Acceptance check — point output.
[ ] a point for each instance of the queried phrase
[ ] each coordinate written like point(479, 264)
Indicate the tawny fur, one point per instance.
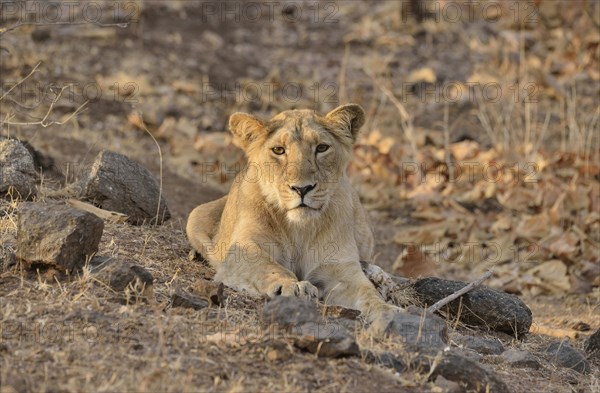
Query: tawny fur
point(260, 238)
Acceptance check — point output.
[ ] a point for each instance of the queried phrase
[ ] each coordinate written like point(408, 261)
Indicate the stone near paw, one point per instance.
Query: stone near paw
point(413, 328)
point(181, 298)
point(483, 307)
point(329, 340)
point(290, 311)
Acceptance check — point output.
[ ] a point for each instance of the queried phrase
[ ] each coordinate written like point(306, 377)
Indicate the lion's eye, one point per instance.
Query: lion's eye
point(322, 147)
point(278, 150)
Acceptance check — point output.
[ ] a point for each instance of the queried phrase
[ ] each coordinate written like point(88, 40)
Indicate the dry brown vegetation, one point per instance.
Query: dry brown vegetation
point(454, 186)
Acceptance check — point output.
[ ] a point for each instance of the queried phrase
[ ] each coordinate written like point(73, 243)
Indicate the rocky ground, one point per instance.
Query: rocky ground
point(141, 315)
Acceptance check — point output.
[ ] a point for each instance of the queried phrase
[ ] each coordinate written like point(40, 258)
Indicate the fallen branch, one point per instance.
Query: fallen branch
point(470, 286)
point(107, 215)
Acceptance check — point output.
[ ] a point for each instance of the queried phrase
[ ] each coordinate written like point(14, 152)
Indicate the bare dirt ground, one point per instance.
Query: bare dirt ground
point(530, 130)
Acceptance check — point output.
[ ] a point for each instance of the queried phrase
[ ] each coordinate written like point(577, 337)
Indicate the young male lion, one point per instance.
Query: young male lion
point(292, 224)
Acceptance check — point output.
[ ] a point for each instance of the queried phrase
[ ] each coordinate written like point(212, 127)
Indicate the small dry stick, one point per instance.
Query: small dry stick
point(470, 286)
point(160, 166)
point(33, 71)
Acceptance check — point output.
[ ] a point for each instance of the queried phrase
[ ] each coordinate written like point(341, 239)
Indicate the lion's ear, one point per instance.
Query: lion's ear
point(245, 128)
point(349, 117)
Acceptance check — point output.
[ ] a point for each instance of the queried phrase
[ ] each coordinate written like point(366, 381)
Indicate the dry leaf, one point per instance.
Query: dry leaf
point(550, 277)
point(565, 245)
point(518, 198)
point(502, 223)
point(425, 74)
point(464, 150)
point(534, 227)
point(421, 235)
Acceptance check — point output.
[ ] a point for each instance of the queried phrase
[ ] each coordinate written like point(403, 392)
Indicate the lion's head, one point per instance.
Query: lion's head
point(298, 157)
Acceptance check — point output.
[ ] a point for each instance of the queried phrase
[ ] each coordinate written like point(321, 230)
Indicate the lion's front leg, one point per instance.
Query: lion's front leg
point(345, 284)
point(258, 273)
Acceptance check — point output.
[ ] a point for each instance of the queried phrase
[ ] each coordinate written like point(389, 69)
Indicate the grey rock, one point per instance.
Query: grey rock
point(7, 260)
point(56, 235)
point(480, 345)
point(17, 170)
point(415, 331)
point(119, 275)
point(329, 340)
point(289, 311)
point(115, 182)
point(592, 345)
point(455, 367)
point(387, 360)
point(482, 307)
point(520, 359)
point(180, 298)
point(564, 355)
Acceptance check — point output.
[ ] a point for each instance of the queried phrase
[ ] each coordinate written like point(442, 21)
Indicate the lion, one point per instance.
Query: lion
point(292, 224)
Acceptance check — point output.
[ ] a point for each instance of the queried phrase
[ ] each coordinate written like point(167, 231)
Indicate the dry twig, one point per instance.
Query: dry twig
point(470, 286)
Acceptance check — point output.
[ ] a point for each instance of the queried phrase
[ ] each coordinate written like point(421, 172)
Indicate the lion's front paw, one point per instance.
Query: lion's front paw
point(303, 289)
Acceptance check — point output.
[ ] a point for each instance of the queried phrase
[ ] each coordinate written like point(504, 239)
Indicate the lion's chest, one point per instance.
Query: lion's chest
point(301, 254)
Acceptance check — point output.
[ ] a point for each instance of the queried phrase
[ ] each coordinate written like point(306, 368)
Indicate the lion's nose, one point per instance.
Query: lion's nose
point(302, 191)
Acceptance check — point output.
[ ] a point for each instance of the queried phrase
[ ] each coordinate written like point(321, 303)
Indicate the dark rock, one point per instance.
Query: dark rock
point(457, 368)
point(387, 360)
point(289, 311)
point(351, 325)
point(180, 298)
point(120, 275)
point(40, 35)
point(482, 307)
point(414, 329)
point(7, 261)
point(329, 340)
point(520, 359)
point(100, 261)
point(480, 345)
point(44, 163)
point(564, 355)
point(56, 235)
point(17, 172)
point(117, 183)
point(592, 344)
point(581, 326)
